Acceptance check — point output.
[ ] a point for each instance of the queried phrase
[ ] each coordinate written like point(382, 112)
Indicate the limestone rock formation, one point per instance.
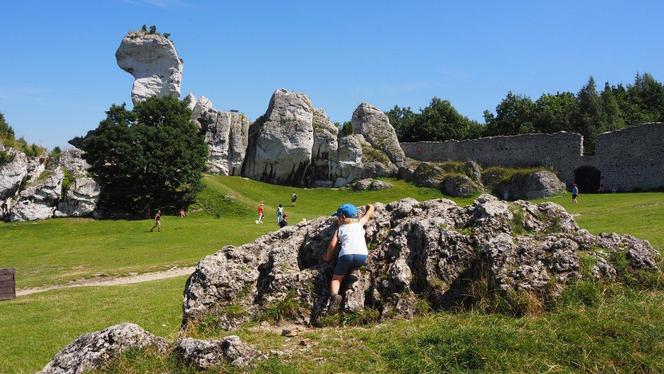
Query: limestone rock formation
point(91, 351)
point(53, 186)
point(206, 354)
point(428, 174)
point(13, 172)
point(459, 185)
point(374, 125)
point(369, 184)
point(349, 156)
point(420, 252)
point(281, 141)
point(538, 184)
point(324, 155)
point(153, 62)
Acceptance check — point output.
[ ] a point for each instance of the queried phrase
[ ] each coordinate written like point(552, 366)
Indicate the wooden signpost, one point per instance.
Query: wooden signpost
point(7, 284)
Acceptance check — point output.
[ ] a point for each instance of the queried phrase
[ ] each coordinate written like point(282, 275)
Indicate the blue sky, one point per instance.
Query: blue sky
point(58, 72)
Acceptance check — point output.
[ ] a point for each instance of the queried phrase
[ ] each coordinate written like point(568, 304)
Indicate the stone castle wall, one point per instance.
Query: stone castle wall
point(632, 158)
point(628, 159)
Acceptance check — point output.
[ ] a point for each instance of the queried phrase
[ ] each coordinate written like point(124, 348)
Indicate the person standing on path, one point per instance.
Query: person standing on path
point(575, 192)
point(353, 253)
point(293, 199)
point(157, 221)
point(261, 213)
point(280, 214)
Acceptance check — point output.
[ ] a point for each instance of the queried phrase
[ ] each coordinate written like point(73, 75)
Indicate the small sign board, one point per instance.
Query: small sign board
point(7, 284)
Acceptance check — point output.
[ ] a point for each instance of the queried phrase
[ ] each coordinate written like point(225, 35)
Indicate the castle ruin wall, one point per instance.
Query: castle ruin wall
point(628, 159)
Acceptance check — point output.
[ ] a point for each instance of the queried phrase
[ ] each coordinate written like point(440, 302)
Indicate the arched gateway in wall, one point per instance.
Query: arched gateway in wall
point(588, 179)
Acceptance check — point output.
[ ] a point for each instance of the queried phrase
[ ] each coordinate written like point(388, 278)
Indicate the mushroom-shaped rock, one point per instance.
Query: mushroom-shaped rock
point(153, 62)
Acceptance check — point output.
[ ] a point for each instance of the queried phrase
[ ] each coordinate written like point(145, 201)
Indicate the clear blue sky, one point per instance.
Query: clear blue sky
point(58, 72)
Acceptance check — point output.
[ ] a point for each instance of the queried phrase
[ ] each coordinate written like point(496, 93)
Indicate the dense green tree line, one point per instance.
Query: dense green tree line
point(588, 112)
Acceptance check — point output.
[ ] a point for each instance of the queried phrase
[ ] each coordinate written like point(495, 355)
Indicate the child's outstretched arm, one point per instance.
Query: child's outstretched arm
point(331, 246)
point(368, 214)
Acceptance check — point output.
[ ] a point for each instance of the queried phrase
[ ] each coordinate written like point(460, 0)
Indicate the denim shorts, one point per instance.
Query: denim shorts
point(347, 263)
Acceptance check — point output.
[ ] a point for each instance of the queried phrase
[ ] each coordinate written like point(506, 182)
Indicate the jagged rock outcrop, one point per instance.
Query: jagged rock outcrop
point(226, 134)
point(375, 126)
point(281, 141)
point(206, 354)
point(534, 185)
point(50, 186)
point(153, 62)
point(324, 155)
point(91, 351)
point(369, 184)
point(12, 172)
point(420, 252)
point(459, 185)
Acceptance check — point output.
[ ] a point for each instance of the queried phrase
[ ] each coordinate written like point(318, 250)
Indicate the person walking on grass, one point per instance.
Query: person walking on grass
point(575, 192)
point(284, 220)
point(157, 221)
point(353, 253)
point(261, 213)
point(280, 214)
point(293, 199)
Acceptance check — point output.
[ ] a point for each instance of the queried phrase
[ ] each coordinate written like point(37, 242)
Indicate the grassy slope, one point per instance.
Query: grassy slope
point(61, 250)
point(623, 333)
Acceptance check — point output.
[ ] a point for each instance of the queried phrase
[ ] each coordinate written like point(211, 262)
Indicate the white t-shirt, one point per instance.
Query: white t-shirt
point(352, 239)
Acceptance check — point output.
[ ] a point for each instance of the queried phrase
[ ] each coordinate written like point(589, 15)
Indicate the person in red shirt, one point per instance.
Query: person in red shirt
point(261, 213)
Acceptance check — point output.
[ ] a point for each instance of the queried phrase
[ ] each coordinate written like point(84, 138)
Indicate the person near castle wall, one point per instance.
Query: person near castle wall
point(575, 192)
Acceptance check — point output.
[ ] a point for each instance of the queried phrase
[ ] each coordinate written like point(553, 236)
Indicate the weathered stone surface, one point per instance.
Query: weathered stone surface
point(39, 200)
point(349, 155)
point(153, 62)
point(473, 170)
point(459, 185)
point(538, 184)
point(91, 351)
point(13, 172)
point(369, 184)
point(418, 251)
point(226, 134)
point(80, 198)
point(543, 184)
point(49, 186)
point(324, 157)
point(374, 125)
point(428, 175)
point(281, 141)
point(206, 354)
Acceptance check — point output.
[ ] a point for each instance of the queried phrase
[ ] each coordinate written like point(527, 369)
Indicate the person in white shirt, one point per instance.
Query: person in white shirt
point(353, 253)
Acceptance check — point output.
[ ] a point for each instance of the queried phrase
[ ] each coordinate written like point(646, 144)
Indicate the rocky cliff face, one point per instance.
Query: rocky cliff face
point(226, 134)
point(153, 62)
point(281, 141)
point(45, 187)
point(429, 252)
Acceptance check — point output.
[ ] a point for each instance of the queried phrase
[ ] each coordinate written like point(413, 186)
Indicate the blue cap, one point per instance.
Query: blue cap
point(348, 210)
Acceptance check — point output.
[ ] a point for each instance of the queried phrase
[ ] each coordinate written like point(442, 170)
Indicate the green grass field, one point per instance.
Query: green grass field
point(623, 331)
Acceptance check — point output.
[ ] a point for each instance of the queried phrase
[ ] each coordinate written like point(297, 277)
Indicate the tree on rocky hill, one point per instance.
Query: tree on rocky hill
point(147, 158)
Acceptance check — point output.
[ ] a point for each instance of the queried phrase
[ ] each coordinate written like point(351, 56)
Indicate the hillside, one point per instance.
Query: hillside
point(590, 330)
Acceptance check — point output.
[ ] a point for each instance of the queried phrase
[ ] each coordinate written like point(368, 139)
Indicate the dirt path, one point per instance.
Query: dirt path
point(145, 277)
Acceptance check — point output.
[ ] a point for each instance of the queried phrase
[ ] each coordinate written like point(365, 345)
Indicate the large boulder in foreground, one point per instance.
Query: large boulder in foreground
point(91, 351)
point(375, 126)
point(427, 252)
point(281, 141)
point(153, 62)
